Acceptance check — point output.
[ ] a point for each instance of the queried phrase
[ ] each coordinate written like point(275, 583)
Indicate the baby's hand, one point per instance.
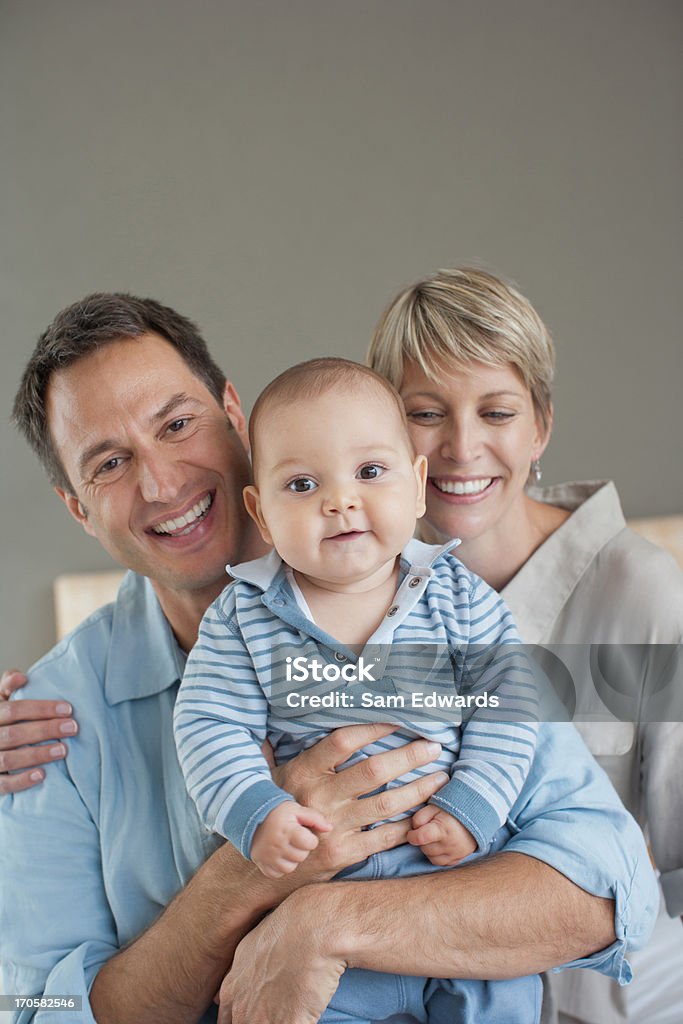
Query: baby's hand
point(441, 837)
point(286, 838)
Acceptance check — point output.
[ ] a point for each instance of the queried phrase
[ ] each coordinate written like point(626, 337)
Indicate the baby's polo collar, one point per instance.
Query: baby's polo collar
point(418, 557)
point(269, 576)
point(260, 572)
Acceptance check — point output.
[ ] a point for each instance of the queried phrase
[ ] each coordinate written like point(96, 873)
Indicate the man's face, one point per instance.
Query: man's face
point(157, 465)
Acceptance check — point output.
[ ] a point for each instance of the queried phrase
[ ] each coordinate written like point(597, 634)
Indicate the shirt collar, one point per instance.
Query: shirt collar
point(421, 556)
point(539, 591)
point(263, 572)
point(144, 657)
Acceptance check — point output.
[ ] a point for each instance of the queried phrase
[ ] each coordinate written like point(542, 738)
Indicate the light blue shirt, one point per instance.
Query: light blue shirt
point(92, 855)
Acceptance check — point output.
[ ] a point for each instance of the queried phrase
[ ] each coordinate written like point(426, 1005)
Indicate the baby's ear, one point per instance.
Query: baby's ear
point(420, 468)
point(252, 501)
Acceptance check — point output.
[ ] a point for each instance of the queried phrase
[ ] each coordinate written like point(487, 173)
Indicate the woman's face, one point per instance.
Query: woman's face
point(478, 428)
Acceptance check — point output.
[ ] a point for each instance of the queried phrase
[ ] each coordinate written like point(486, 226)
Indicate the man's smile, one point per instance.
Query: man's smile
point(187, 521)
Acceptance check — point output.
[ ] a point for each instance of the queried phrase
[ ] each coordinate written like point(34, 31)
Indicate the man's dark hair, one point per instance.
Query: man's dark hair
point(82, 329)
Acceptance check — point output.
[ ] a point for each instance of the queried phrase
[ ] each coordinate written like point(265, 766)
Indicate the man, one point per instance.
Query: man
point(145, 444)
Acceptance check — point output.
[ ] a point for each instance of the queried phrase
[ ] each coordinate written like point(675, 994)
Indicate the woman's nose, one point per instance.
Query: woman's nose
point(460, 443)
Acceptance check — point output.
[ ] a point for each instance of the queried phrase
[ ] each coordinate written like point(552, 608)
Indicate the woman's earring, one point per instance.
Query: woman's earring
point(537, 471)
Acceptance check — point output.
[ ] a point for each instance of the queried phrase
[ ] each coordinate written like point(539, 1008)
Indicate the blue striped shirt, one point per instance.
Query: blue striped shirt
point(446, 635)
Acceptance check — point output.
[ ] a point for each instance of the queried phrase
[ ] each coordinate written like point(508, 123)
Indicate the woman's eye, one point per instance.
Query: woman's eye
point(301, 485)
point(370, 472)
point(427, 416)
point(498, 416)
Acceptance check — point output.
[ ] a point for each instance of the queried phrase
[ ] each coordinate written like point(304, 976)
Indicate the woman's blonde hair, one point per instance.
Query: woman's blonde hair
point(462, 316)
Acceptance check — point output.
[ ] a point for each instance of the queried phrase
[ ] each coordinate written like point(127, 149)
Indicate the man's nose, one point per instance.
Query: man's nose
point(160, 477)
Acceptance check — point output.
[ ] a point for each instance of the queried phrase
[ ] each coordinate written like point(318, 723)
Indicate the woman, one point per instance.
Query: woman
point(474, 364)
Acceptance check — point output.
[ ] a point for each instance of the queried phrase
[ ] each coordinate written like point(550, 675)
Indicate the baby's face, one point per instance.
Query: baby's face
point(337, 488)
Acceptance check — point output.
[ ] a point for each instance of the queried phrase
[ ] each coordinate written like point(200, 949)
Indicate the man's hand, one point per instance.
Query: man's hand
point(279, 974)
point(187, 950)
point(311, 778)
point(441, 837)
point(286, 837)
point(23, 725)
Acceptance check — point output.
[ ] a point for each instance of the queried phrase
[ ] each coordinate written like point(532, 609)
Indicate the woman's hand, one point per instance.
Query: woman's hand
point(26, 727)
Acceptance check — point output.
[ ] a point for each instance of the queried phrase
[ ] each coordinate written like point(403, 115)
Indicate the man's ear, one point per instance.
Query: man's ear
point(76, 509)
point(235, 413)
point(420, 467)
point(252, 501)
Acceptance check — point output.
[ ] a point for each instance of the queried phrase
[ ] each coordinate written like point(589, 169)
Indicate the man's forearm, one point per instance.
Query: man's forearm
point(173, 970)
point(506, 916)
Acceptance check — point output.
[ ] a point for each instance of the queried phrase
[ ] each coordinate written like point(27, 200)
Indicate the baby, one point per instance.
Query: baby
point(337, 492)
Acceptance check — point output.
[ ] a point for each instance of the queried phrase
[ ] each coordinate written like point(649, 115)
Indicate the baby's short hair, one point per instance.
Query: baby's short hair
point(314, 378)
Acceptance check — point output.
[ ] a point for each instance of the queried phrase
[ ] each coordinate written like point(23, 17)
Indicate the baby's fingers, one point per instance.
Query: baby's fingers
point(278, 868)
point(425, 814)
point(302, 839)
point(436, 855)
point(310, 818)
point(429, 833)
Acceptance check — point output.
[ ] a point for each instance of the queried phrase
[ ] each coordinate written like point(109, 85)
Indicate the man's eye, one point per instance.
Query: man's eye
point(178, 424)
point(370, 472)
point(301, 485)
point(109, 465)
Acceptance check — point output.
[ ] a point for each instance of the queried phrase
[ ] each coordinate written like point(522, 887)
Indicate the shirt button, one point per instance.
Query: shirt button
point(392, 610)
point(278, 602)
point(338, 656)
point(415, 581)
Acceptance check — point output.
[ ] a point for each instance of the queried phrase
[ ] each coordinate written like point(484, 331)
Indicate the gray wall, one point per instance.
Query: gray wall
point(277, 169)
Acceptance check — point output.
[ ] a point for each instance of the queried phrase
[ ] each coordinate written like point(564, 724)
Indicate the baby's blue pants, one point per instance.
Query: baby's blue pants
point(366, 997)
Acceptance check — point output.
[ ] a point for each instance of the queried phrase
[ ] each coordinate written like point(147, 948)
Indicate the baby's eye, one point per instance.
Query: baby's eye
point(370, 472)
point(301, 484)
